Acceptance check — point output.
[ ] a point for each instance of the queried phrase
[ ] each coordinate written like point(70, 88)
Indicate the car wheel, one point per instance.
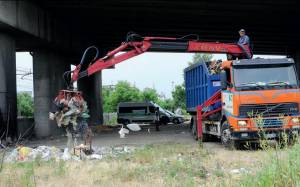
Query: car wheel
point(176, 121)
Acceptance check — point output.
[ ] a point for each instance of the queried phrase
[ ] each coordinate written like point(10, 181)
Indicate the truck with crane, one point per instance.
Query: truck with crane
point(247, 98)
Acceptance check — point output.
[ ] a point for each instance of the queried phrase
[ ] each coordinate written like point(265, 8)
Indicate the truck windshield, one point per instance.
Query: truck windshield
point(253, 78)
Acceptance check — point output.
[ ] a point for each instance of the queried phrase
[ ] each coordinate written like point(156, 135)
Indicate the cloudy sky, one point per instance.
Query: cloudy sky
point(161, 71)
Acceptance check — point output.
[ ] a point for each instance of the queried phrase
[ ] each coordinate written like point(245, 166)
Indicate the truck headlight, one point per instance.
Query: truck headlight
point(295, 120)
point(242, 123)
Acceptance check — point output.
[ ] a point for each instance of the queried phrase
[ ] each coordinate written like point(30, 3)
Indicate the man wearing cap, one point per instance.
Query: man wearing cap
point(244, 40)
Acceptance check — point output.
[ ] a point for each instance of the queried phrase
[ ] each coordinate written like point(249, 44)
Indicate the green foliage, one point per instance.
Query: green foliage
point(150, 94)
point(166, 104)
point(277, 171)
point(122, 92)
point(25, 104)
point(201, 57)
point(179, 96)
point(125, 92)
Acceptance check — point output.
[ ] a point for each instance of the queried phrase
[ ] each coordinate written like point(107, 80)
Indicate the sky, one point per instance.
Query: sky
point(161, 71)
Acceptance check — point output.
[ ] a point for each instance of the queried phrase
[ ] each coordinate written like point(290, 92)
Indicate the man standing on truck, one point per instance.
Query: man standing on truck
point(244, 40)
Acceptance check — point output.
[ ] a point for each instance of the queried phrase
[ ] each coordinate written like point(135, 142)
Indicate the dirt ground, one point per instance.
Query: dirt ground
point(167, 134)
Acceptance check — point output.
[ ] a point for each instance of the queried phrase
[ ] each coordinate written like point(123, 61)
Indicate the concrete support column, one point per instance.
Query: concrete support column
point(48, 68)
point(92, 92)
point(8, 85)
point(296, 57)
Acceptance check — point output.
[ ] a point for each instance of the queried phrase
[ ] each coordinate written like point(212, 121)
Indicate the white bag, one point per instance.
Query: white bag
point(123, 131)
point(134, 127)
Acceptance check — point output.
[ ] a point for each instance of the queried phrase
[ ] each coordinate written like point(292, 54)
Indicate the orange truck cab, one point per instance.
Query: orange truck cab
point(259, 99)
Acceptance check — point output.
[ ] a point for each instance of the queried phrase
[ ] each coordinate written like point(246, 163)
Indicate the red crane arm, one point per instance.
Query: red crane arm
point(165, 44)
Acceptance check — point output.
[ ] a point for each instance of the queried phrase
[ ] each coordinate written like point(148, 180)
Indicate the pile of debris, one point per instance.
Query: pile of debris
point(70, 109)
point(45, 153)
point(214, 66)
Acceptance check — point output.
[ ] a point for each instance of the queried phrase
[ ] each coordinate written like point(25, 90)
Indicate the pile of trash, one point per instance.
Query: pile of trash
point(214, 66)
point(45, 153)
point(70, 110)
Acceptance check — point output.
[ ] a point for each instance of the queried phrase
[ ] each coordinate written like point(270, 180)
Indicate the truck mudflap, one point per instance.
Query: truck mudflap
point(265, 134)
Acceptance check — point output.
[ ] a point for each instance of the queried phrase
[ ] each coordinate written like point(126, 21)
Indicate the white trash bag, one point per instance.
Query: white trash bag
point(134, 127)
point(123, 131)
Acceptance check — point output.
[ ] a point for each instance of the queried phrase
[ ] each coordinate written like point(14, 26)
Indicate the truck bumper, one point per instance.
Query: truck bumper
point(265, 134)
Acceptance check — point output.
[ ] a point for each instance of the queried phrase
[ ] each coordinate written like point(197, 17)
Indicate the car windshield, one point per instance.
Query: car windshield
point(249, 78)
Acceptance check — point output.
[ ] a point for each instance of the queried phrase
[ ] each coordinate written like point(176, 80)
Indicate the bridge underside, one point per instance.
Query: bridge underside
point(270, 24)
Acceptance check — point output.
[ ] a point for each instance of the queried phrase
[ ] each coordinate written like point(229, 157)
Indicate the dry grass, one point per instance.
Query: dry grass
point(155, 165)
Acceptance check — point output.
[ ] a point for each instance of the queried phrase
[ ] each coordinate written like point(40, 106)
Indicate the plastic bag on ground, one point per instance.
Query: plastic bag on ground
point(134, 127)
point(66, 154)
point(123, 131)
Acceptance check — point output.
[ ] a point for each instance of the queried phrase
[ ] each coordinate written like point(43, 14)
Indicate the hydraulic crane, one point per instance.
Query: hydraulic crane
point(136, 45)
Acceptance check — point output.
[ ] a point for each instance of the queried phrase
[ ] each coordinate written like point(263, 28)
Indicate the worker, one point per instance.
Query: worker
point(244, 40)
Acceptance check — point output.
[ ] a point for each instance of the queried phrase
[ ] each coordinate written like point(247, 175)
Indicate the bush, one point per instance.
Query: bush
point(25, 104)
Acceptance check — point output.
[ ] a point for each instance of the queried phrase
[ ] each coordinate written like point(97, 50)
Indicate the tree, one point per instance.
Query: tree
point(106, 92)
point(25, 104)
point(166, 104)
point(150, 94)
point(123, 92)
point(179, 96)
point(206, 57)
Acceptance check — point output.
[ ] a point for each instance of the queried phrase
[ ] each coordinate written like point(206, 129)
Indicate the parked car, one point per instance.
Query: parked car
point(175, 118)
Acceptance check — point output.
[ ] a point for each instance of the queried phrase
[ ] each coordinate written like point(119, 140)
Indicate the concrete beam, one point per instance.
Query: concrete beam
point(28, 18)
point(8, 87)
point(48, 68)
point(92, 92)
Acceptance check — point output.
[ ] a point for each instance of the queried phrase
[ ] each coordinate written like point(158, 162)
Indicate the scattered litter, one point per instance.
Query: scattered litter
point(23, 154)
point(95, 157)
point(123, 131)
point(66, 154)
point(241, 170)
point(134, 127)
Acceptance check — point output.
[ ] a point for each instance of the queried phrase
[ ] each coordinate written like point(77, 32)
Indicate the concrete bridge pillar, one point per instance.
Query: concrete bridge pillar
point(92, 92)
point(48, 68)
point(8, 87)
point(296, 57)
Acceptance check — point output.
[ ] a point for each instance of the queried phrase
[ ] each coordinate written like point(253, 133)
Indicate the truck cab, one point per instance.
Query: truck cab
point(260, 97)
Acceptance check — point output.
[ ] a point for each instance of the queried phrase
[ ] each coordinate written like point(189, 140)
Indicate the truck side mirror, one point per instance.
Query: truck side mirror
point(223, 77)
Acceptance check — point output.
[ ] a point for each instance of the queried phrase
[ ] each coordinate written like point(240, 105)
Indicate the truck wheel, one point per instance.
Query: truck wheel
point(226, 137)
point(195, 130)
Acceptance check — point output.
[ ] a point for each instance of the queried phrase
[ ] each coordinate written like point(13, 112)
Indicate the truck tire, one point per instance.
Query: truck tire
point(194, 130)
point(226, 138)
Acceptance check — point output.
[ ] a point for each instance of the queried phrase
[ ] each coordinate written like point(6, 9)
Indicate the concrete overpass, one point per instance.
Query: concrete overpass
point(57, 31)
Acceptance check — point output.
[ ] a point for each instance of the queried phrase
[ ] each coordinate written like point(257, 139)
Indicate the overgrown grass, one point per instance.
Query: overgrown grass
point(279, 170)
point(164, 165)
